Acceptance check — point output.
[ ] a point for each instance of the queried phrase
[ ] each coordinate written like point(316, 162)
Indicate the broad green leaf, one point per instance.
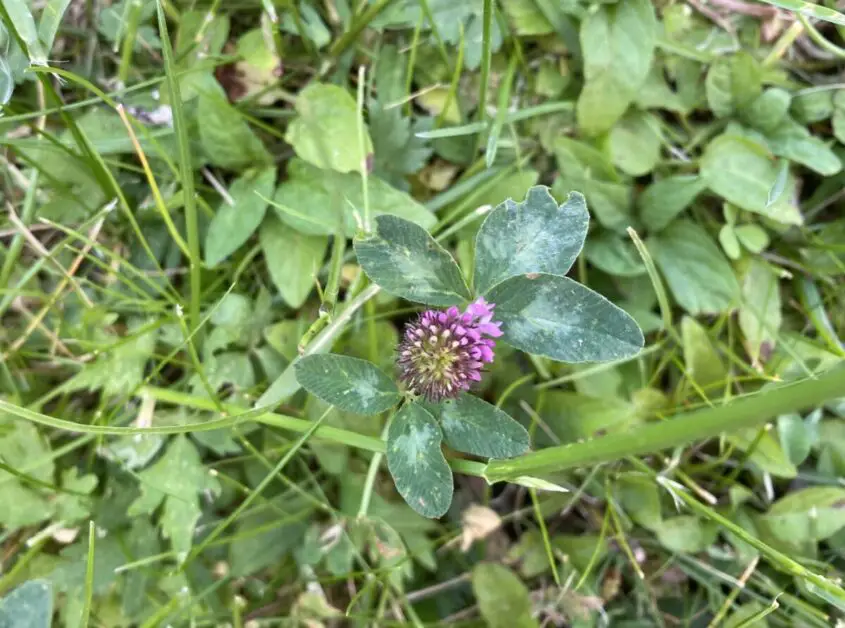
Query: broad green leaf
point(753, 237)
point(526, 19)
point(587, 170)
point(416, 462)
point(502, 597)
point(718, 88)
point(768, 110)
point(742, 172)
point(559, 318)
point(176, 479)
point(704, 365)
point(7, 82)
point(351, 384)
point(760, 311)
point(686, 534)
point(293, 259)
point(317, 201)
point(664, 200)
point(21, 446)
point(234, 223)
point(325, 133)
point(729, 242)
point(634, 143)
point(614, 254)
point(473, 426)
point(310, 23)
point(810, 514)
point(767, 455)
point(265, 537)
point(534, 236)
point(640, 499)
point(700, 278)
point(618, 45)
point(795, 437)
point(21, 18)
point(28, 606)
point(812, 106)
point(574, 417)
point(112, 24)
point(48, 23)
point(794, 142)
point(226, 137)
point(406, 261)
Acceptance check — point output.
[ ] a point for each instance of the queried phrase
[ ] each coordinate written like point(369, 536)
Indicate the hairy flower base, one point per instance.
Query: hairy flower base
point(443, 352)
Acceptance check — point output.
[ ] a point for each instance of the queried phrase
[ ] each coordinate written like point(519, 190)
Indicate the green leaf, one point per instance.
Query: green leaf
point(810, 514)
point(703, 363)
point(794, 142)
point(634, 143)
point(618, 44)
point(316, 201)
point(534, 236)
point(561, 319)
point(416, 462)
point(699, 276)
point(753, 237)
point(767, 454)
point(760, 312)
point(729, 242)
point(20, 446)
point(502, 597)
point(406, 261)
point(351, 384)
point(234, 223)
point(585, 169)
point(325, 133)
point(293, 259)
point(768, 110)
point(664, 200)
point(795, 437)
point(226, 137)
point(473, 426)
point(686, 534)
point(28, 606)
point(614, 254)
point(718, 88)
point(812, 106)
point(641, 499)
point(49, 21)
point(175, 479)
point(742, 172)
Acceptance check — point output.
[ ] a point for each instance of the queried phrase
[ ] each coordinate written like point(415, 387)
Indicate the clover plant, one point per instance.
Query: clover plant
point(519, 295)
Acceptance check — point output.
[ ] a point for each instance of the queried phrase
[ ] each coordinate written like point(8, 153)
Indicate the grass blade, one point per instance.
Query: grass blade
point(707, 423)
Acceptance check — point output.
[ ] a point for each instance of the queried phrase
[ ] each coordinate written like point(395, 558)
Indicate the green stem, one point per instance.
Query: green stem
point(349, 37)
point(702, 424)
point(128, 45)
point(186, 172)
point(372, 471)
point(486, 28)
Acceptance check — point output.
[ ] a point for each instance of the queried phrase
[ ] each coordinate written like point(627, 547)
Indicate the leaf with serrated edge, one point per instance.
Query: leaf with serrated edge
point(534, 236)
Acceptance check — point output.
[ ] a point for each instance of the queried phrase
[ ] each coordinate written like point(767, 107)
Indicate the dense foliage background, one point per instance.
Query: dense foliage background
point(181, 182)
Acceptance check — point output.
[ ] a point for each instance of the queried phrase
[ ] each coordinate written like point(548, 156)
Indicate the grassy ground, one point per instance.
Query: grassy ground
point(181, 185)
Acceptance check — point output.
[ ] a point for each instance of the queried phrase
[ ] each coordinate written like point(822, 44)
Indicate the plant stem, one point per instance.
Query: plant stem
point(742, 412)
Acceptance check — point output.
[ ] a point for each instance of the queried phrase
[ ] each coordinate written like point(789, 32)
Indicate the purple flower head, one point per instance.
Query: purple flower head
point(443, 353)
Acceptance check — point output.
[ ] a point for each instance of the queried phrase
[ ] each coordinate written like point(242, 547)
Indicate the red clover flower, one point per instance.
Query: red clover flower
point(443, 352)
